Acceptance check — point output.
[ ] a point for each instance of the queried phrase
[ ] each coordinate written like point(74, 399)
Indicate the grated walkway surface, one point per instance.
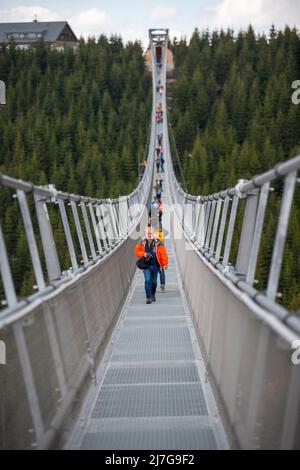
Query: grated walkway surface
point(153, 392)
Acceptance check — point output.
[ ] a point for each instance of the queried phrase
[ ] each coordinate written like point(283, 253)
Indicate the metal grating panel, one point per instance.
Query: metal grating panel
point(177, 439)
point(159, 310)
point(170, 298)
point(170, 287)
point(154, 344)
point(165, 373)
point(171, 353)
point(155, 335)
point(150, 400)
point(153, 322)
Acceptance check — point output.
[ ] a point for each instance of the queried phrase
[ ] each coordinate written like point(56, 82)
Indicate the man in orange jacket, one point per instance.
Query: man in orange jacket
point(156, 254)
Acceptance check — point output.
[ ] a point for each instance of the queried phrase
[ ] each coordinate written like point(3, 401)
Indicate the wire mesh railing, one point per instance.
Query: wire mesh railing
point(227, 228)
point(92, 228)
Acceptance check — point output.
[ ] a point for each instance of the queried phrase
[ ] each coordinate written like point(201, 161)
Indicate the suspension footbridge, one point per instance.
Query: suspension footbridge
point(207, 366)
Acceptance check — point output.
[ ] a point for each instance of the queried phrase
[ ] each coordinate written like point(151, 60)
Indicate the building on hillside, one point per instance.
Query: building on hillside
point(56, 33)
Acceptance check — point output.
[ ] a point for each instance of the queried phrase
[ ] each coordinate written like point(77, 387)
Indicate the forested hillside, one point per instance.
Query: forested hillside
point(233, 117)
point(78, 119)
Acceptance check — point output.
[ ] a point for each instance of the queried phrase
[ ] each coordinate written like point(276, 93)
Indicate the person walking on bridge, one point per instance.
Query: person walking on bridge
point(158, 189)
point(162, 162)
point(158, 163)
point(156, 211)
point(155, 254)
point(162, 275)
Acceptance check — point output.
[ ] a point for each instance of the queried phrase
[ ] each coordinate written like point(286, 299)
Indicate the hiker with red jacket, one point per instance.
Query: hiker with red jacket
point(155, 254)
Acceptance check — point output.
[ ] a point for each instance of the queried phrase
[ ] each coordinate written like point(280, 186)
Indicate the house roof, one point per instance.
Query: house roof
point(50, 30)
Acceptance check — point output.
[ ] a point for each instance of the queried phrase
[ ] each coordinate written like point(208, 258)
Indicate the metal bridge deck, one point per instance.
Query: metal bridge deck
point(153, 392)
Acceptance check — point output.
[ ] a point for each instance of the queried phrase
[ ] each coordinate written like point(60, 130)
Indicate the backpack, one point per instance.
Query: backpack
point(143, 263)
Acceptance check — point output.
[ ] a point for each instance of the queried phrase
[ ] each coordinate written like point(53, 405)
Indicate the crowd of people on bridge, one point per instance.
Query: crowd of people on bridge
point(151, 250)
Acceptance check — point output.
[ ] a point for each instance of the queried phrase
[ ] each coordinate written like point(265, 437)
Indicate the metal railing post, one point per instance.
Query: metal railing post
point(115, 209)
point(216, 225)
point(262, 205)
point(210, 224)
point(88, 230)
point(282, 228)
point(197, 218)
point(130, 216)
point(222, 227)
point(207, 206)
point(79, 233)
point(96, 229)
point(35, 257)
point(124, 217)
point(200, 228)
point(68, 234)
point(7, 279)
point(247, 233)
point(112, 228)
point(183, 205)
point(230, 230)
point(101, 226)
point(48, 242)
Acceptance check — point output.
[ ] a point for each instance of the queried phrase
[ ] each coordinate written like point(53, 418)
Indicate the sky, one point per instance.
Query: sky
point(132, 18)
